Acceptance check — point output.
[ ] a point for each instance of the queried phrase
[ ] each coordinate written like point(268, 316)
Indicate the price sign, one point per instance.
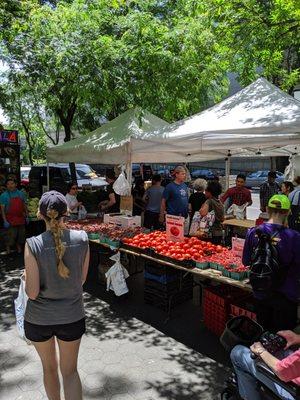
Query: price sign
point(175, 228)
point(9, 136)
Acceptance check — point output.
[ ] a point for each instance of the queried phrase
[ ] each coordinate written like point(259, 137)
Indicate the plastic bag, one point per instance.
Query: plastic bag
point(121, 185)
point(116, 277)
point(239, 212)
point(82, 212)
point(201, 226)
point(20, 308)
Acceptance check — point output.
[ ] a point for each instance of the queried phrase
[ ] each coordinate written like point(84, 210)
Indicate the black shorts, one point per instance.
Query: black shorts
point(65, 332)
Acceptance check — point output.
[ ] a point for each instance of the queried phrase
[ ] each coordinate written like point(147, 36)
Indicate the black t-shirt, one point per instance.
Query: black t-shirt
point(116, 207)
point(196, 200)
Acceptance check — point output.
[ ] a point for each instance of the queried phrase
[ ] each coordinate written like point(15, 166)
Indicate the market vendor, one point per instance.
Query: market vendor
point(239, 194)
point(72, 202)
point(175, 199)
point(112, 203)
point(14, 215)
point(152, 199)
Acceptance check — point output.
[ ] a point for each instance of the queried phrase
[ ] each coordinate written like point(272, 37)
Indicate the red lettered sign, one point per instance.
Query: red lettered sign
point(9, 136)
point(175, 228)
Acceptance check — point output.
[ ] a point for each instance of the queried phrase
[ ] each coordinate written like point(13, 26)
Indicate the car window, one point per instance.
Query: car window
point(264, 174)
point(63, 172)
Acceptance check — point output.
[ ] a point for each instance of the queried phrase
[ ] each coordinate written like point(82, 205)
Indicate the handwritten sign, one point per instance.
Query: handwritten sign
point(175, 228)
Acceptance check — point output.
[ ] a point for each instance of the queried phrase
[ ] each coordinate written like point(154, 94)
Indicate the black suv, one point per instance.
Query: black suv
point(60, 176)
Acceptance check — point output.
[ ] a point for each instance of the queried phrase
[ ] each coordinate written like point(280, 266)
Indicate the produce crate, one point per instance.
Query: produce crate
point(112, 243)
point(93, 236)
point(166, 288)
point(202, 265)
point(160, 269)
point(245, 307)
point(216, 306)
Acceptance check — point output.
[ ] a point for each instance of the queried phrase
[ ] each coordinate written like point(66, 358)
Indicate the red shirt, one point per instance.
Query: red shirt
point(238, 195)
point(288, 369)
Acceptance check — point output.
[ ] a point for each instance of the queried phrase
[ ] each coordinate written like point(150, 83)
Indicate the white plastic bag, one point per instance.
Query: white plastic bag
point(116, 277)
point(20, 307)
point(82, 212)
point(121, 185)
point(239, 212)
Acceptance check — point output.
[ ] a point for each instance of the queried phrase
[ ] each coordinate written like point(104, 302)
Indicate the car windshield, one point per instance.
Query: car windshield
point(85, 171)
point(254, 174)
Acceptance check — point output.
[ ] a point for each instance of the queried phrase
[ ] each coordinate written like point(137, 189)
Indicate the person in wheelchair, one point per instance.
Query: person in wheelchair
point(284, 364)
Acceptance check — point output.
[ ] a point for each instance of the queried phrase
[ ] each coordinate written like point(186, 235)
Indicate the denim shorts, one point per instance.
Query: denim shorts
point(65, 332)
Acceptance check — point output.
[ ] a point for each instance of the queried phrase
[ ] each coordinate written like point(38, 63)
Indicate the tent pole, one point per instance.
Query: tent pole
point(129, 164)
point(227, 170)
point(48, 177)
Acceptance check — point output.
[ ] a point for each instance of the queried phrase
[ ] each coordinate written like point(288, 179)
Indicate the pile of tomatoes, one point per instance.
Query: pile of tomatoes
point(191, 249)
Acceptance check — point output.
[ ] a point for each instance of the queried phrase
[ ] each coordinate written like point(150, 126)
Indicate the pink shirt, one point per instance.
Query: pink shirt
point(288, 369)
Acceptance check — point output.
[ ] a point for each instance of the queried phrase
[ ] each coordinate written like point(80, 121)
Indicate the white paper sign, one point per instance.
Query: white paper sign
point(175, 228)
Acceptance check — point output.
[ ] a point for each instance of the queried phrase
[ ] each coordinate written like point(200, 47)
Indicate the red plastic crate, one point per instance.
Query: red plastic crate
point(216, 306)
point(244, 307)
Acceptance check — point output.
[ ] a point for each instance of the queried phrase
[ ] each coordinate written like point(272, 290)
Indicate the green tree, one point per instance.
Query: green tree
point(260, 38)
point(86, 60)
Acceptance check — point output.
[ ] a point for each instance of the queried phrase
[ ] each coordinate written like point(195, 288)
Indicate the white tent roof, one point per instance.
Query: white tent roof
point(259, 117)
point(109, 144)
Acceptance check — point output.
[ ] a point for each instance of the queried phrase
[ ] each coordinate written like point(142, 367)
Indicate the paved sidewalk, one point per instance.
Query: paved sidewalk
point(120, 359)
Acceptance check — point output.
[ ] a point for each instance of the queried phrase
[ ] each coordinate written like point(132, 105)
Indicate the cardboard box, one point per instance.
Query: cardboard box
point(121, 220)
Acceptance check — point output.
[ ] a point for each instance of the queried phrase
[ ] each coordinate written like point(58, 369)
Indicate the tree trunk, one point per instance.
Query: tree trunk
point(66, 122)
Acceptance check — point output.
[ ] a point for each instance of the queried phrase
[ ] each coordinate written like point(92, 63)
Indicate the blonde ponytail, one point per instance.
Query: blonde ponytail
point(56, 231)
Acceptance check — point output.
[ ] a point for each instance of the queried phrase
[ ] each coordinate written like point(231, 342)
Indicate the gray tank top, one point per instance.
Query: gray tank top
point(60, 300)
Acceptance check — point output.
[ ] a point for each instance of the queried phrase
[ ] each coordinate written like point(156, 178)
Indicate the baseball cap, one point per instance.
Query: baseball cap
point(53, 200)
point(280, 202)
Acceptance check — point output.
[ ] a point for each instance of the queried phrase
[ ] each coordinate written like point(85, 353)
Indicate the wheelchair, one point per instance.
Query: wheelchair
point(230, 392)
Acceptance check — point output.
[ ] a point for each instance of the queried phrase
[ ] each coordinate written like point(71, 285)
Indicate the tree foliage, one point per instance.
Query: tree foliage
point(78, 62)
point(261, 37)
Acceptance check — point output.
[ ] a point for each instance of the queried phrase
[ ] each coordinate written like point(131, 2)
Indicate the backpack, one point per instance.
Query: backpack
point(266, 272)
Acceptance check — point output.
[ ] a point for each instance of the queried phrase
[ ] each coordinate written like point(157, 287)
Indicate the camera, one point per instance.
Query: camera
point(272, 342)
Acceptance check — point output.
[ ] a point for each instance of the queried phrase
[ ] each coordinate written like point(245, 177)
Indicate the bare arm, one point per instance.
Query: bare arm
point(111, 202)
point(204, 209)
point(32, 275)
point(85, 266)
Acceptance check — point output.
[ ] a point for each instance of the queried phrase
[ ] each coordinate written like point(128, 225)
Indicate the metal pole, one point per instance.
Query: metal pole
point(227, 170)
point(48, 177)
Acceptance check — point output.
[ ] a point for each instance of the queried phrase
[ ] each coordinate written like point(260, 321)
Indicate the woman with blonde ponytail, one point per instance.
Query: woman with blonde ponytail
point(56, 266)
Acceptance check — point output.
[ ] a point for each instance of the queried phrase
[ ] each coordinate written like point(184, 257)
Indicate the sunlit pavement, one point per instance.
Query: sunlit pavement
point(120, 358)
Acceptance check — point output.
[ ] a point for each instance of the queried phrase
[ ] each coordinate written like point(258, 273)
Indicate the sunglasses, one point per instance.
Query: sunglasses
point(74, 188)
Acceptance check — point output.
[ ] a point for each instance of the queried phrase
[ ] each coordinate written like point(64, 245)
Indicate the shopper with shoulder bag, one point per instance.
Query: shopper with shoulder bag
point(212, 213)
point(56, 266)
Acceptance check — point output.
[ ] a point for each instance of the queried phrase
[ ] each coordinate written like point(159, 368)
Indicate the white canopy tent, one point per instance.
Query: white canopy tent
point(259, 119)
point(111, 143)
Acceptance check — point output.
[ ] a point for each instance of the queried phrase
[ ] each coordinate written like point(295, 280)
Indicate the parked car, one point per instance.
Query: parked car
point(25, 176)
point(256, 179)
point(204, 174)
point(60, 176)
